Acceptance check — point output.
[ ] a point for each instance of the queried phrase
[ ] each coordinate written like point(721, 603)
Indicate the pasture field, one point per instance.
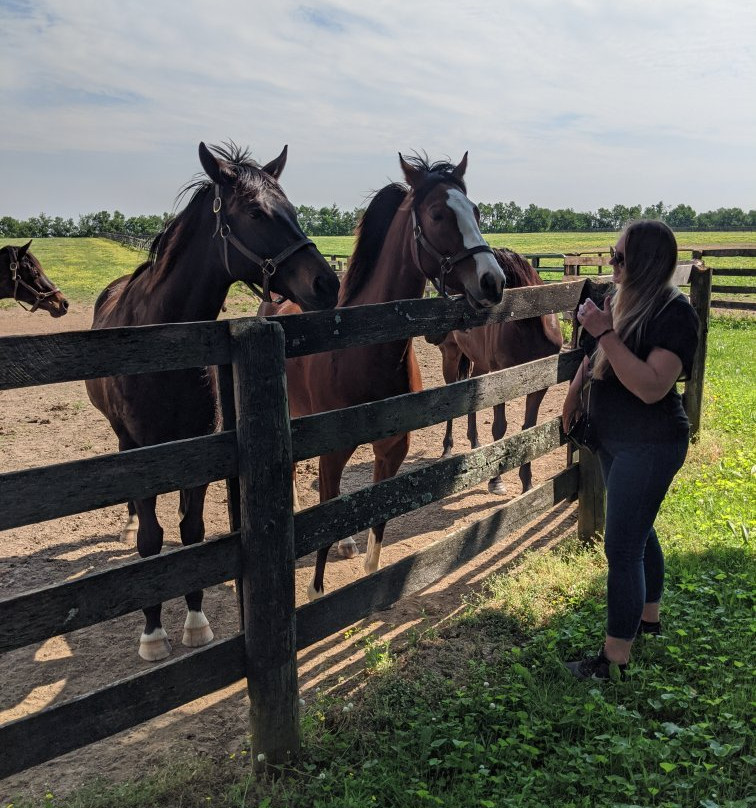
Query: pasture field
point(83, 267)
point(479, 713)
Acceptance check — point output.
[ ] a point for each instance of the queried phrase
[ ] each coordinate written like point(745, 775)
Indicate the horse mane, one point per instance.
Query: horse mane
point(248, 179)
point(517, 270)
point(370, 234)
point(440, 171)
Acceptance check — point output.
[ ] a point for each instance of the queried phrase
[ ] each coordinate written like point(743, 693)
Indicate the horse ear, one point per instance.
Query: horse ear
point(210, 164)
point(21, 252)
point(459, 171)
point(275, 167)
point(413, 175)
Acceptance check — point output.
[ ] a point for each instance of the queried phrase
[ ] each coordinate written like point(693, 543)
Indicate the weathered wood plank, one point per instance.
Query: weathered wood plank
point(75, 355)
point(127, 703)
point(727, 252)
point(314, 435)
point(267, 539)
point(734, 290)
point(591, 498)
point(341, 517)
point(83, 485)
point(743, 305)
point(733, 272)
point(351, 603)
point(313, 332)
point(586, 260)
point(39, 614)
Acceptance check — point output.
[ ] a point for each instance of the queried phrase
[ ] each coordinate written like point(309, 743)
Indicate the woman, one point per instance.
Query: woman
point(645, 338)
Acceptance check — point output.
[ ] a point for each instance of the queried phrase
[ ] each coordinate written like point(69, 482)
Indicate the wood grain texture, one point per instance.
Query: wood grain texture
point(313, 332)
point(340, 609)
point(341, 517)
point(76, 355)
point(314, 435)
point(267, 539)
point(35, 495)
point(127, 703)
point(39, 614)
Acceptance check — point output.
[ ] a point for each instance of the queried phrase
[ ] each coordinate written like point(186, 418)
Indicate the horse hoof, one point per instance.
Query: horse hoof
point(348, 548)
point(497, 487)
point(197, 631)
point(446, 453)
point(371, 565)
point(155, 646)
point(314, 594)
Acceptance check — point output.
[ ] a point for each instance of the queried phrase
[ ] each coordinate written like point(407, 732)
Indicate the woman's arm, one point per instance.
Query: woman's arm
point(651, 379)
point(571, 404)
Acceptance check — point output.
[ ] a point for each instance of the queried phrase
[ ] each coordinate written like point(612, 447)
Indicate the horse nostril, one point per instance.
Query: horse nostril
point(64, 304)
point(491, 287)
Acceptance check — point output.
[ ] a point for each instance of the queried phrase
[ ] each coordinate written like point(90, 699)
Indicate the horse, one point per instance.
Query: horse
point(238, 226)
point(22, 279)
point(426, 230)
point(498, 346)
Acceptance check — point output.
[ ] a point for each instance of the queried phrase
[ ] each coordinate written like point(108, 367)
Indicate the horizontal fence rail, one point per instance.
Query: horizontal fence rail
point(77, 355)
point(83, 485)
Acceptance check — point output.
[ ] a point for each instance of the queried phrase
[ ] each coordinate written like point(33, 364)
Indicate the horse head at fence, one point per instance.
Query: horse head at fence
point(22, 279)
point(238, 226)
point(424, 230)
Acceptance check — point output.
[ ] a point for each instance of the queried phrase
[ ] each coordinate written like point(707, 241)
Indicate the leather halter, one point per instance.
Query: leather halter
point(39, 296)
point(446, 262)
point(267, 265)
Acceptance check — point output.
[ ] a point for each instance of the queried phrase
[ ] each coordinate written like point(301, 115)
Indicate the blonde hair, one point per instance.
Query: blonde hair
point(646, 288)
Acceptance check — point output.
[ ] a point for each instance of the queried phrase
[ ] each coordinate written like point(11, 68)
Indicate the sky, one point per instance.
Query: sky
point(561, 103)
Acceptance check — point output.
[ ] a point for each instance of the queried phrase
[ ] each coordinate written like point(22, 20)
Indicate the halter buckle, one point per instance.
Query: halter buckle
point(14, 270)
point(269, 267)
point(217, 204)
point(224, 230)
point(447, 264)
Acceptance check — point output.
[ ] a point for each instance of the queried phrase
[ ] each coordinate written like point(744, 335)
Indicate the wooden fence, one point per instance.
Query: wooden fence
point(266, 535)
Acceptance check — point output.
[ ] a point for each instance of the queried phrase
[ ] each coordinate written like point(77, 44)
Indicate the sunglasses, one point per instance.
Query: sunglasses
point(617, 258)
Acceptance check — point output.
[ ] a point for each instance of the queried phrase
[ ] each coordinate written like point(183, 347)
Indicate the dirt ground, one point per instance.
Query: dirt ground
point(44, 425)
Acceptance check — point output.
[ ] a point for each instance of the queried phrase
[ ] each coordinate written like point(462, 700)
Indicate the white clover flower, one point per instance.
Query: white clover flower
point(261, 757)
point(485, 684)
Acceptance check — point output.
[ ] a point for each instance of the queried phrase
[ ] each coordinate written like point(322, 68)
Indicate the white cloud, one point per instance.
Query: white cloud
point(580, 103)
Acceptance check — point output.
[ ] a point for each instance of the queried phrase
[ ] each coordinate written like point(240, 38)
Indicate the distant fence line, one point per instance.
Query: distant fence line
point(138, 242)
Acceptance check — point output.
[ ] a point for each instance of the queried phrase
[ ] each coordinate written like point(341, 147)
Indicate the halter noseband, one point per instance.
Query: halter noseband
point(38, 295)
point(267, 265)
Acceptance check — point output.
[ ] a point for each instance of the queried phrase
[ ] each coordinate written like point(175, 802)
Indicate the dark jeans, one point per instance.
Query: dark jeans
point(637, 477)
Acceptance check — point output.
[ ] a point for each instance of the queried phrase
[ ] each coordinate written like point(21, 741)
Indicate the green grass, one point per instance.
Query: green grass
point(82, 268)
point(482, 714)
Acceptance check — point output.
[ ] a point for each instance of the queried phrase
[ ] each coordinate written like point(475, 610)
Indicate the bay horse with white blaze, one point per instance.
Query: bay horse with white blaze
point(408, 235)
point(238, 225)
point(22, 279)
point(495, 347)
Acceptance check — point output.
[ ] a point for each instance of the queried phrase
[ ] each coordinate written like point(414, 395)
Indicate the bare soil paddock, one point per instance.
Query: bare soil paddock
point(43, 425)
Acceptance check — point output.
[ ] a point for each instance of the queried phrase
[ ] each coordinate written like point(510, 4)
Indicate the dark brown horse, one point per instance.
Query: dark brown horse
point(238, 225)
point(428, 231)
point(22, 278)
point(498, 346)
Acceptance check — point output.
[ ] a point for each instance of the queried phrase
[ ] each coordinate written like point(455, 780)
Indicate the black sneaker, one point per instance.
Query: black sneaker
point(598, 667)
point(655, 629)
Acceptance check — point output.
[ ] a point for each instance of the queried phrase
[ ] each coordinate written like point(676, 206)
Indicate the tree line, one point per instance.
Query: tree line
point(497, 217)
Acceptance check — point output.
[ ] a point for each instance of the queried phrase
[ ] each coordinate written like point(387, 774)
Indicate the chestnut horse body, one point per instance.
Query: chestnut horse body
point(428, 231)
point(22, 279)
point(232, 220)
point(498, 346)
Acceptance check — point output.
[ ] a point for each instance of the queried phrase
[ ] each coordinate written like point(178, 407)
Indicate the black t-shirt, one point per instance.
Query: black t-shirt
point(619, 414)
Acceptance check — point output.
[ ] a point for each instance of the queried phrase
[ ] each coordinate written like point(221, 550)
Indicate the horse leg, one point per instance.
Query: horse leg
point(472, 423)
point(330, 469)
point(498, 430)
point(450, 365)
point(532, 405)
point(129, 532)
point(197, 631)
point(153, 644)
point(389, 455)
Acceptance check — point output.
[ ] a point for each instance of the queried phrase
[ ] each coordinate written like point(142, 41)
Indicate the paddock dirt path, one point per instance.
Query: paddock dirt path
point(43, 425)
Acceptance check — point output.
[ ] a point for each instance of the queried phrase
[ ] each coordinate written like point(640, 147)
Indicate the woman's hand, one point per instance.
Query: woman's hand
point(595, 320)
point(570, 411)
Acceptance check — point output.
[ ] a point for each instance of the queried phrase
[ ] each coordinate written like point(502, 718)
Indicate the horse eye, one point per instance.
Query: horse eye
point(436, 217)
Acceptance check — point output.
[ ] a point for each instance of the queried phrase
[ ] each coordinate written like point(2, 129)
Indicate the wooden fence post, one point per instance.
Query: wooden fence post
point(591, 498)
point(700, 299)
point(267, 539)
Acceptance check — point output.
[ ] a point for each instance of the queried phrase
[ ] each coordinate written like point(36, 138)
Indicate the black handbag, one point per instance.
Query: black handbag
point(582, 433)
